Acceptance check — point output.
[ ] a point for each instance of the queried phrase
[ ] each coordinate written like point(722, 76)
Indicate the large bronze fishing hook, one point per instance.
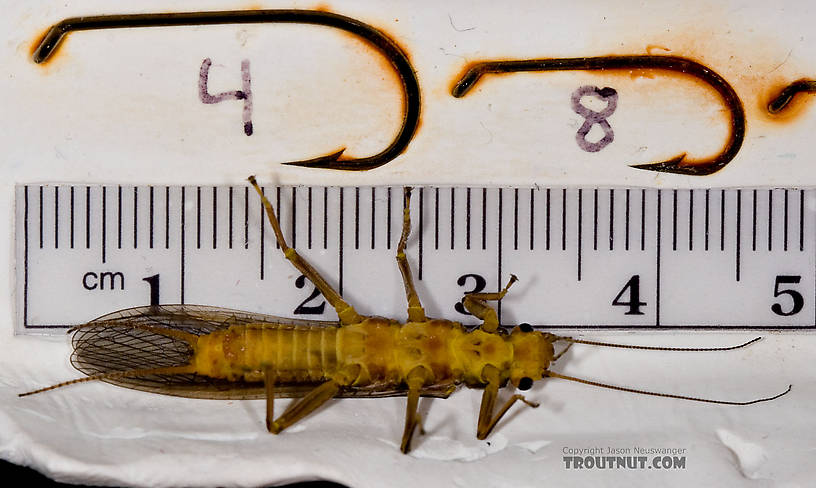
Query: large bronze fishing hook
point(387, 46)
point(678, 164)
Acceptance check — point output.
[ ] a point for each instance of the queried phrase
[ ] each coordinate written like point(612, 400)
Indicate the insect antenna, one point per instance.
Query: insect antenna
point(665, 395)
point(654, 348)
point(185, 369)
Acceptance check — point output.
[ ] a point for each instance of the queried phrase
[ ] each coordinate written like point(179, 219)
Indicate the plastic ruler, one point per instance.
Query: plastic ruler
point(586, 257)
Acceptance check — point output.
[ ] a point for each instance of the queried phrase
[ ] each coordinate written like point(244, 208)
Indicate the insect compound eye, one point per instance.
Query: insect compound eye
point(525, 327)
point(525, 383)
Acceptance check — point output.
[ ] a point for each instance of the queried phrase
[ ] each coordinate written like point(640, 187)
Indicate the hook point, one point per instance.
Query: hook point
point(675, 165)
point(328, 161)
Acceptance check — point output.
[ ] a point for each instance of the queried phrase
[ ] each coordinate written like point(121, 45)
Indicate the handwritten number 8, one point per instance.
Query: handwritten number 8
point(610, 95)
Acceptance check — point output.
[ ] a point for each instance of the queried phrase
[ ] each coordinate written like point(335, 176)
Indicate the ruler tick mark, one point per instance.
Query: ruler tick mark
point(722, 220)
point(309, 218)
point(691, 220)
point(467, 219)
point(87, 217)
point(135, 217)
point(72, 215)
point(594, 219)
point(294, 217)
point(421, 230)
point(532, 218)
point(547, 218)
point(580, 228)
point(166, 218)
point(785, 222)
point(739, 232)
point(484, 218)
point(643, 220)
point(41, 216)
point(626, 224)
point(611, 219)
point(104, 222)
point(515, 219)
point(230, 217)
point(436, 218)
point(452, 212)
point(215, 217)
point(674, 220)
point(754, 221)
point(56, 217)
point(151, 215)
point(770, 220)
point(564, 219)
point(373, 217)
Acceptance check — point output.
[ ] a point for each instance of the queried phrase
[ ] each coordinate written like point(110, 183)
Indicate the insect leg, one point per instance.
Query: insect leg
point(475, 303)
point(415, 311)
point(301, 407)
point(345, 312)
point(416, 380)
point(487, 421)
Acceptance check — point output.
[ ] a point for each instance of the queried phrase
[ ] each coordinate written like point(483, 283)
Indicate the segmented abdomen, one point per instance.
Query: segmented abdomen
point(295, 354)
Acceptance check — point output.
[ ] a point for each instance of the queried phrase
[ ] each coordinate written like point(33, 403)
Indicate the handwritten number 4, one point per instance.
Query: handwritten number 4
point(245, 93)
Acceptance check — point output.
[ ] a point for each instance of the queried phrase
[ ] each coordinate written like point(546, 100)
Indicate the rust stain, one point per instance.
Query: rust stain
point(793, 111)
point(36, 43)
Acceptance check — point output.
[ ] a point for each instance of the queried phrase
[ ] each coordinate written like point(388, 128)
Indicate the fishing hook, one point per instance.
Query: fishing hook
point(678, 164)
point(387, 46)
point(781, 101)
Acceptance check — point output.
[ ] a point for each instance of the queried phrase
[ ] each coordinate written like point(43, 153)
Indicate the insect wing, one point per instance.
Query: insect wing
point(133, 339)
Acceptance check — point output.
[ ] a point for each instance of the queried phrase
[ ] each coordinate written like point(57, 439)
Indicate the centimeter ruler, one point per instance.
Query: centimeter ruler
point(586, 257)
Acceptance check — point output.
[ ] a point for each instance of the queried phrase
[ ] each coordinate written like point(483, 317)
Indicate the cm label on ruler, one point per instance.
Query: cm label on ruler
point(631, 258)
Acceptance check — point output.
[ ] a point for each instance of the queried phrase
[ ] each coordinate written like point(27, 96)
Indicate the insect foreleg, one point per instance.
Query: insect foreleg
point(415, 311)
point(345, 312)
point(475, 303)
point(487, 421)
point(416, 380)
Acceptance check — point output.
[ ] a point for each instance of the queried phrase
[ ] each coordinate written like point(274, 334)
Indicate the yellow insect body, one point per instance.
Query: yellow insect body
point(382, 352)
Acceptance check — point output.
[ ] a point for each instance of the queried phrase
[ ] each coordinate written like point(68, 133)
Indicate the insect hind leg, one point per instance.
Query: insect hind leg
point(345, 312)
point(415, 311)
point(300, 408)
point(476, 304)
